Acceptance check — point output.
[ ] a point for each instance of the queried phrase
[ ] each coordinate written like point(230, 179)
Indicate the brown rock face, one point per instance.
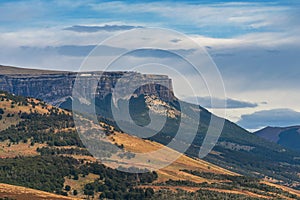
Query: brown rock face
point(55, 87)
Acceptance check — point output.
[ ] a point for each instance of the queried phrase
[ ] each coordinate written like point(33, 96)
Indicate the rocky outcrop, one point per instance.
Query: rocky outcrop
point(54, 87)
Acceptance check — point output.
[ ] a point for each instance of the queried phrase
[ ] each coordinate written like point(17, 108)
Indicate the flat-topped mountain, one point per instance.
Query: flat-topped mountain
point(56, 86)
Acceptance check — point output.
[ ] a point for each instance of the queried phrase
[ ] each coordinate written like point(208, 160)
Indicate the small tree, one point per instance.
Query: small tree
point(68, 188)
point(76, 177)
point(149, 192)
point(75, 192)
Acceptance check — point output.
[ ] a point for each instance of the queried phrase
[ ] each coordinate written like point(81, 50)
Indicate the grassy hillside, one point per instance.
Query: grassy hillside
point(190, 175)
point(12, 108)
point(236, 150)
point(41, 150)
point(11, 192)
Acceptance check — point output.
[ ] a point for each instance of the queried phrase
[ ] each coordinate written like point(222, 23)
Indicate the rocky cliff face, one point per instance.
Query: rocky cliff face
point(55, 87)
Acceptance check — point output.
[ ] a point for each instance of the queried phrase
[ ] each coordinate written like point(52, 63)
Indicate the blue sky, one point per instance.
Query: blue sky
point(255, 44)
point(16, 15)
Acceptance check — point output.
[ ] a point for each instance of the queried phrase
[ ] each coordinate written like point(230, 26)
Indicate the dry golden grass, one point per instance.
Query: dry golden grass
point(9, 150)
point(14, 109)
point(22, 193)
point(79, 184)
point(290, 190)
point(173, 171)
point(194, 189)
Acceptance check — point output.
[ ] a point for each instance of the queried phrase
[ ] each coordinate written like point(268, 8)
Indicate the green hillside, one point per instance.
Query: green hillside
point(43, 151)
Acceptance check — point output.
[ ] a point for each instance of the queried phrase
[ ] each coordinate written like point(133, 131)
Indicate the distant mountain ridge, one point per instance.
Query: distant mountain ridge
point(288, 137)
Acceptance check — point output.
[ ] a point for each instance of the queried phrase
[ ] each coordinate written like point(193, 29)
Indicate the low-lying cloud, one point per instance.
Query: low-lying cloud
point(109, 28)
point(274, 117)
point(221, 103)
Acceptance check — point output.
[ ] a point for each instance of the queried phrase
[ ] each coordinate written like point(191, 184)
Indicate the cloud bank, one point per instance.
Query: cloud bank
point(219, 103)
point(109, 28)
point(274, 117)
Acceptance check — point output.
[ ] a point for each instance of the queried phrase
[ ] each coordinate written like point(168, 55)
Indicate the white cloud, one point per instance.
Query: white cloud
point(248, 15)
point(220, 103)
point(274, 117)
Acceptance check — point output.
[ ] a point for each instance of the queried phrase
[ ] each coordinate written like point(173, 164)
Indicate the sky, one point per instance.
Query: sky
point(254, 44)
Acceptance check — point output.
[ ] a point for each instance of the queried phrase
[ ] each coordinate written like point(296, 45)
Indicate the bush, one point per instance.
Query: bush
point(68, 188)
point(75, 192)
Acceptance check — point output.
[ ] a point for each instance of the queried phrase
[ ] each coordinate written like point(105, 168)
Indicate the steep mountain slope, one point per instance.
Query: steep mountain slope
point(288, 137)
point(237, 149)
point(53, 159)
